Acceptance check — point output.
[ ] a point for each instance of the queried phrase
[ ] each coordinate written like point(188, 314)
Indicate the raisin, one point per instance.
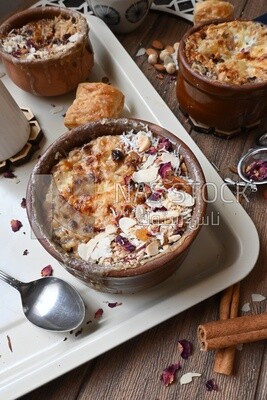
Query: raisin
point(117, 155)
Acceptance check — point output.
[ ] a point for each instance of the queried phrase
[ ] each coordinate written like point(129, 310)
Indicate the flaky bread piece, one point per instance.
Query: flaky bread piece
point(211, 10)
point(94, 100)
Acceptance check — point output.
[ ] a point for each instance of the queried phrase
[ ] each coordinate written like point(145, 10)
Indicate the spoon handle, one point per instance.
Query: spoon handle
point(10, 280)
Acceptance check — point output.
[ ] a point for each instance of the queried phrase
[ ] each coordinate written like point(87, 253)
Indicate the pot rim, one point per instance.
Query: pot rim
point(215, 84)
point(93, 269)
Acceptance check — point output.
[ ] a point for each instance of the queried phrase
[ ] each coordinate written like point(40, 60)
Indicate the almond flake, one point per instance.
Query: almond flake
point(181, 198)
point(187, 378)
point(245, 307)
point(145, 175)
point(126, 223)
point(172, 158)
point(257, 297)
point(110, 229)
point(102, 249)
point(152, 249)
point(86, 249)
point(149, 161)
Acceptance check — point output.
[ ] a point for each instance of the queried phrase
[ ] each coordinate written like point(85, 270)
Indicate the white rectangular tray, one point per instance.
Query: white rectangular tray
point(224, 253)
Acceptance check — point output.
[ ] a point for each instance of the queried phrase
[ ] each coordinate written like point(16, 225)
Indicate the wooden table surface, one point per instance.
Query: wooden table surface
point(132, 370)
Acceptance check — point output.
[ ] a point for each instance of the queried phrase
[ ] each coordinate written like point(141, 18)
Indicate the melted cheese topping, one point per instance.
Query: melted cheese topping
point(232, 52)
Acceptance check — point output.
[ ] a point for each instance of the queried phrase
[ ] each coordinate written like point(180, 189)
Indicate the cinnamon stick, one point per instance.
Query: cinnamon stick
point(224, 358)
point(233, 331)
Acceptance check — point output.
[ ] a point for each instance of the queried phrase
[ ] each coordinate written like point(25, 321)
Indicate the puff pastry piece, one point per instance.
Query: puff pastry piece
point(211, 10)
point(94, 100)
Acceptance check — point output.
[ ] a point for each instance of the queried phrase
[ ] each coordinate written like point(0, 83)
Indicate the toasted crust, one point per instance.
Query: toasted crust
point(211, 10)
point(94, 101)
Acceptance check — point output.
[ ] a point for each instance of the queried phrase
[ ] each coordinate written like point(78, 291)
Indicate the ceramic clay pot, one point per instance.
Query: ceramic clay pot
point(110, 279)
point(59, 74)
point(226, 107)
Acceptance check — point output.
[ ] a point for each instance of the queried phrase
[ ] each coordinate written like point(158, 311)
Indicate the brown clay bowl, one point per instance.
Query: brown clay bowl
point(58, 74)
point(112, 280)
point(226, 107)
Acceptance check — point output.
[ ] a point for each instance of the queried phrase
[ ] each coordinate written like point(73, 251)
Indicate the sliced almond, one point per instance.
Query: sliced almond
point(172, 158)
point(110, 229)
point(187, 378)
point(102, 249)
point(152, 249)
point(181, 198)
point(174, 238)
point(146, 175)
point(149, 161)
point(126, 223)
point(85, 249)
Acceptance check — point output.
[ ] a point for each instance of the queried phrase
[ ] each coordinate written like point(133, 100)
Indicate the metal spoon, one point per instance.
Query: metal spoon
point(50, 303)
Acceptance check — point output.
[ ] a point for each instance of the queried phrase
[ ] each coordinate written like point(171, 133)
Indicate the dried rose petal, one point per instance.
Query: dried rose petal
point(257, 171)
point(15, 225)
point(211, 385)
point(165, 169)
point(98, 313)
point(9, 174)
point(125, 243)
point(23, 202)
point(155, 196)
point(47, 271)
point(168, 374)
point(165, 143)
point(185, 348)
point(116, 304)
point(152, 151)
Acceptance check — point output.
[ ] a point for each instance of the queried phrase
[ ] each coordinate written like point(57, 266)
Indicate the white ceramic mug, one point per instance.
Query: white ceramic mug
point(121, 16)
point(14, 127)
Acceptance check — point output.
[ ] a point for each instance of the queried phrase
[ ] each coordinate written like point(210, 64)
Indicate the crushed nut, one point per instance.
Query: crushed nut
point(144, 143)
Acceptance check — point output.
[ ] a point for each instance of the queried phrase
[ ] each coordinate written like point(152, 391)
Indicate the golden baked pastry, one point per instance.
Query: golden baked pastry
point(232, 52)
point(211, 10)
point(94, 101)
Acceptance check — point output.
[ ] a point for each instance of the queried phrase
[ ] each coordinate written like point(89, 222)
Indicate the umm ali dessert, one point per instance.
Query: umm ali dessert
point(42, 39)
point(121, 200)
point(230, 52)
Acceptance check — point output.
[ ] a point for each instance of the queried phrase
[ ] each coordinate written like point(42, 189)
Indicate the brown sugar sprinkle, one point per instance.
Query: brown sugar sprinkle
point(157, 44)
